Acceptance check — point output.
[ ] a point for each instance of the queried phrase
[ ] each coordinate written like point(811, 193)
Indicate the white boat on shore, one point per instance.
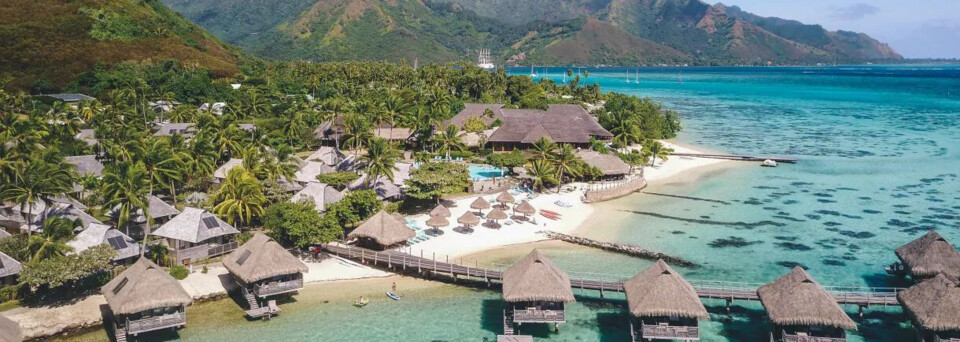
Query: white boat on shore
point(769, 163)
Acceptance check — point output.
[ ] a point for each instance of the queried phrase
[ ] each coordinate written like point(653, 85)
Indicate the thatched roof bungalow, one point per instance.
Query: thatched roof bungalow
point(928, 256)
point(934, 308)
point(196, 234)
point(9, 269)
point(384, 230)
point(264, 268)
point(318, 194)
point(145, 298)
point(664, 304)
point(798, 306)
point(86, 165)
point(327, 155)
point(9, 330)
point(99, 234)
point(160, 211)
point(172, 128)
point(609, 164)
point(561, 123)
point(535, 290)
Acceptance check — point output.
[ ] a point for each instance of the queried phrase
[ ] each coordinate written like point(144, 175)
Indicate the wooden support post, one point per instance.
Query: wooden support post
point(729, 301)
point(860, 310)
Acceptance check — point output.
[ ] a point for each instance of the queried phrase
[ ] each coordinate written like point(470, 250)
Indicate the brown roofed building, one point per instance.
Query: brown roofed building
point(609, 164)
point(799, 307)
point(145, 298)
point(564, 124)
point(934, 308)
point(928, 256)
point(536, 290)
point(488, 113)
point(664, 305)
point(384, 230)
point(263, 268)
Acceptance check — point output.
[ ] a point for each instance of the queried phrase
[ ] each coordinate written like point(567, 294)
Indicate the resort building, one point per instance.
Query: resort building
point(162, 106)
point(161, 212)
point(487, 113)
point(88, 136)
point(385, 189)
point(215, 108)
point(536, 291)
point(664, 306)
point(9, 270)
point(393, 133)
point(220, 174)
point(10, 330)
point(330, 130)
point(70, 98)
point(926, 257)
point(561, 123)
point(15, 219)
point(264, 269)
point(167, 129)
point(309, 171)
point(801, 310)
point(100, 234)
point(145, 298)
point(318, 194)
point(331, 156)
point(932, 306)
point(609, 164)
point(86, 165)
point(197, 234)
point(383, 230)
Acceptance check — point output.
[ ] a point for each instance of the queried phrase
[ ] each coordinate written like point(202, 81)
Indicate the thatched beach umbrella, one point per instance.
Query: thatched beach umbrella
point(468, 220)
point(262, 258)
point(496, 214)
point(933, 304)
point(525, 208)
point(435, 222)
point(505, 197)
point(535, 278)
point(10, 330)
point(930, 255)
point(142, 287)
point(797, 299)
point(440, 211)
point(385, 229)
point(659, 291)
point(480, 204)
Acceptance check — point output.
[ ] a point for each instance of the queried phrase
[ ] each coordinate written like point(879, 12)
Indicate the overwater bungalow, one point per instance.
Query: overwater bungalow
point(926, 257)
point(100, 234)
point(197, 234)
point(383, 230)
point(536, 291)
point(934, 308)
point(161, 212)
point(802, 311)
point(609, 164)
point(664, 306)
point(9, 270)
point(264, 269)
point(145, 298)
point(10, 330)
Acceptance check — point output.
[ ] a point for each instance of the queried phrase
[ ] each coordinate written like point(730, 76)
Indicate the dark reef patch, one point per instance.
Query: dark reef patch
point(733, 241)
point(794, 246)
point(833, 262)
point(871, 211)
point(792, 264)
point(786, 238)
point(857, 235)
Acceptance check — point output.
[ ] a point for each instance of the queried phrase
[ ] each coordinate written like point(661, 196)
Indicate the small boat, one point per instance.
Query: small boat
point(549, 215)
point(769, 163)
point(393, 296)
point(361, 303)
point(554, 213)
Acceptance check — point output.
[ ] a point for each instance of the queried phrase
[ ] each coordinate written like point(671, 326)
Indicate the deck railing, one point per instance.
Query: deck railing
point(945, 339)
point(670, 332)
point(807, 338)
point(222, 249)
point(277, 287)
point(538, 316)
point(156, 323)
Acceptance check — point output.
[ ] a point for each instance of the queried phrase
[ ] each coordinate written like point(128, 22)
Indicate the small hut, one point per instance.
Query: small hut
point(145, 298)
point(10, 330)
point(263, 269)
point(435, 222)
point(9, 270)
point(926, 257)
point(494, 215)
point(479, 205)
point(384, 230)
point(932, 306)
point(525, 208)
point(196, 234)
point(664, 305)
point(505, 198)
point(440, 211)
point(468, 219)
point(536, 291)
point(800, 308)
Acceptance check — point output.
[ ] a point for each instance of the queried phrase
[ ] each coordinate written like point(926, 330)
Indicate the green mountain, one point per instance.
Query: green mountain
point(626, 32)
point(48, 43)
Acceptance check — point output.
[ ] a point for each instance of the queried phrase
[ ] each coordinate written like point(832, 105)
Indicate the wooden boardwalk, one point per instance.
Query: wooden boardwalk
point(737, 157)
point(729, 291)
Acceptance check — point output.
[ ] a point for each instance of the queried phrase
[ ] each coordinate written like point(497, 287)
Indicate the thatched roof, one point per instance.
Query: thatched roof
point(559, 123)
point(609, 164)
point(933, 303)
point(327, 155)
point(468, 219)
point(9, 266)
point(310, 170)
point(525, 208)
point(659, 291)
point(262, 258)
point(393, 134)
point(195, 225)
point(144, 286)
point(319, 195)
point(10, 330)
point(100, 234)
point(505, 197)
point(497, 214)
point(87, 165)
point(440, 210)
point(930, 255)
point(222, 171)
point(155, 206)
point(536, 278)
point(386, 229)
point(480, 204)
point(438, 221)
point(797, 299)
point(476, 110)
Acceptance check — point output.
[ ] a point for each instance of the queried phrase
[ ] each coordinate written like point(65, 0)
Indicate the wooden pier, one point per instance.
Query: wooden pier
point(737, 157)
point(395, 260)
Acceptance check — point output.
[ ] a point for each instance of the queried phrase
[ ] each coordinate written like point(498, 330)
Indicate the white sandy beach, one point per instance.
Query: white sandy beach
point(676, 165)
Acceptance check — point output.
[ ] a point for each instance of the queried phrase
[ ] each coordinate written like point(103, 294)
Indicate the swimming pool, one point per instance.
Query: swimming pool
point(481, 172)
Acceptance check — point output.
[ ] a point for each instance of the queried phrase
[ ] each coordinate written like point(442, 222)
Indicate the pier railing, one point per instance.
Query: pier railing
point(278, 287)
point(808, 338)
point(407, 258)
point(156, 323)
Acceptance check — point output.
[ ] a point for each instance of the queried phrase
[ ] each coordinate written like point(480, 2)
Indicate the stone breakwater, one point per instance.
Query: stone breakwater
point(630, 250)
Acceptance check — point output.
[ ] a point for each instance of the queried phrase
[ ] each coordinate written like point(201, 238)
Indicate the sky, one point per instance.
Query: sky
point(914, 28)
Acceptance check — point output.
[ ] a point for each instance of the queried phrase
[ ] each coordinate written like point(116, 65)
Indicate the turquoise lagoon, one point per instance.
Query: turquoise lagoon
point(879, 150)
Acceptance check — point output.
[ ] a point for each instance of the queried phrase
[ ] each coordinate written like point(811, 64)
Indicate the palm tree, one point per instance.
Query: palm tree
point(52, 242)
point(633, 159)
point(380, 159)
point(449, 140)
point(163, 169)
point(357, 132)
point(566, 162)
point(543, 174)
point(125, 188)
point(37, 181)
point(544, 149)
point(654, 149)
point(240, 197)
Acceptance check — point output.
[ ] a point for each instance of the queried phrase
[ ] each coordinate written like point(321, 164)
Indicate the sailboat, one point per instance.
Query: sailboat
point(484, 60)
point(532, 73)
point(637, 70)
point(628, 75)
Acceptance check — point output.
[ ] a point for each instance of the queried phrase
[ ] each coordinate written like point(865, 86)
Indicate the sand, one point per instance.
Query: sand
point(665, 170)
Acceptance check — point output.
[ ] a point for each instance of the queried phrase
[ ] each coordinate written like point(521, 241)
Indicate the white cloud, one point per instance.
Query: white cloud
point(853, 12)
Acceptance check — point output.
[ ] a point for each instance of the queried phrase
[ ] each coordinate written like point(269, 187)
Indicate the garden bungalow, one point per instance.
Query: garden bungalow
point(100, 234)
point(535, 290)
point(86, 165)
point(932, 306)
point(160, 211)
point(9, 269)
point(926, 257)
point(145, 298)
point(663, 305)
point(328, 155)
point(263, 269)
point(167, 129)
point(220, 174)
point(610, 165)
point(801, 310)
point(318, 194)
point(197, 234)
point(383, 230)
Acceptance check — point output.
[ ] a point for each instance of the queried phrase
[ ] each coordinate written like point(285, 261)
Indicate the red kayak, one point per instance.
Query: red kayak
point(548, 215)
point(554, 213)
